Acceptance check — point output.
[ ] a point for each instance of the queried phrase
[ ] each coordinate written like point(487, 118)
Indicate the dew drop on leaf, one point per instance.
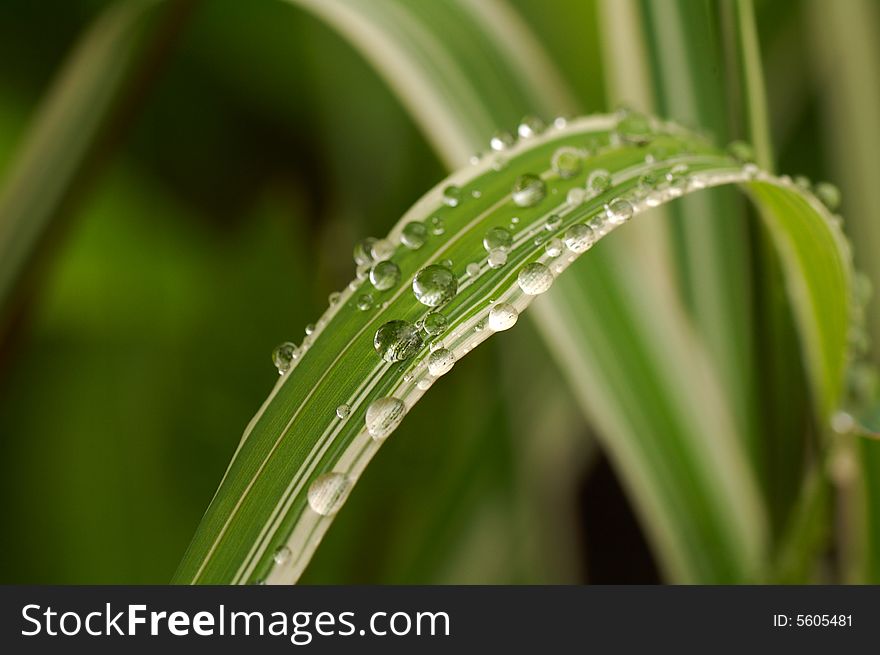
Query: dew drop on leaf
point(530, 126)
point(397, 341)
point(363, 251)
point(497, 237)
point(328, 492)
point(501, 140)
point(502, 316)
point(452, 195)
point(434, 323)
point(384, 275)
point(534, 279)
point(383, 416)
point(553, 248)
point(566, 162)
point(281, 555)
point(283, 357)
point(497, 258)
point(414, 235)
point(343, 411)
point(828, 194)
point(579, 237)
point(440, 362)
point(435, 285)
point(528, 190)
point(619, 211)
point(365, 302)
point(599, 181)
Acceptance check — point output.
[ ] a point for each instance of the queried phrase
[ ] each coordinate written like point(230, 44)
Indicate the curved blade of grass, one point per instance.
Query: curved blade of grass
point(76, 112)
point(261, 525)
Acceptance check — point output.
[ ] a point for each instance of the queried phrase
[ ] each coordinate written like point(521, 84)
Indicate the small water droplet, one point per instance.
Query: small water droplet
point(328, 492)
point(440, 362)
point(497, 237)
point(438, 227)
point(476, 193)
point(803, 182)
point(365, 302)
point(473, 269)
point(397, 341)
point(741, 151)
point(619, 211)
point(414, 235)
point(384, 275)
point(598, 182)
point(530, 126)
point(383, 416)
point(452, 195)
point(497, 258)
point(435, 285)
point(553, 248)
point(281, 555)
point(283, 357)
point(502, 316)
point(828, 194)
point(751, 171)
point(434, 323)
point(534, 279)
point(334, 297)
point(310, 328)
point(424, 383)
point(566, 162)
point(553, 222)
point(502, 140)
point(648, 182)
point(362, 271)
point(575, 196)
point(579, 237)
point(528, 190)
point(363, 251)
point(560, 122)
point(343, 411)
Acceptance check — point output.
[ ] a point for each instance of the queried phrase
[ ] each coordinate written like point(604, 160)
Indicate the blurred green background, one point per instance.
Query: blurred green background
point(212, 230)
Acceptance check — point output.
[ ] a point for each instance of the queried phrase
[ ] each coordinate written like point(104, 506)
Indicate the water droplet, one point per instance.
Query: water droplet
point(281, 555)
point(534, 279)
point(283, 357)
point(530, 126)
point(502, 316)
point(414, 235)
point(385, 275)
point(566, 162)
point(328, 492)
point(560, 122)
point(424, 383)
point(343, 411)
point(540, 238)
point(619, 211)
point(648, 182)
point(501, 140)
point(803, 182)
point(579, 237)
point(553, 248)
point(363, 251)
point(362, 271)
point(476, 193)
point(842, 423)
point(497, 237)
point(438, 227)
point(452, 195)
point(310, 328)
point(741, 151)
point(751, 171)
point(397, 341)
point(473, 269)
point(365, 302)
point(447, 263)
point(598, 182)
point(440, 362)
point(634, 128)
point(575, 196)
point(553, 222)
point(528, 190)
point(383, 416)
point(434, 323)
point(334, 297)
point(828, 194)
point(497, 258)
point(435, 285)
point(382, 249)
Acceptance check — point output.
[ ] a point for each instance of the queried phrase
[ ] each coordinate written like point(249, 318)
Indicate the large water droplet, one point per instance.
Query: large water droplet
point(828, 194)
point(528, 190)
point(385, 275)
point(502, 316)
point(343, 411)
point(435, 285)
point(530, 126)
point(599, 181)
point(434, 323)
point(579, 237)
point(381, 250)
point(283, 357)
point(397, 341)
point(534, 279)
point(502, 140)
point(497, 258)
point(566, 162)
point(497, 237)
point(452, 195)
point(383, 416)
point(440, 362)
point(473, 269)
point(414, 235)
point(363, 251)
point(619, 211)
point(328, 492)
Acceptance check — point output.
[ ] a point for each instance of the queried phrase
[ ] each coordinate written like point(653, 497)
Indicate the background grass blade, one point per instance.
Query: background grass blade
point(261, 526)
point(83, 106)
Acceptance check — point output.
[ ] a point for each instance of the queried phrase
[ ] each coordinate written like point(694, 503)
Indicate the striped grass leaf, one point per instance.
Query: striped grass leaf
point(338, 399)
